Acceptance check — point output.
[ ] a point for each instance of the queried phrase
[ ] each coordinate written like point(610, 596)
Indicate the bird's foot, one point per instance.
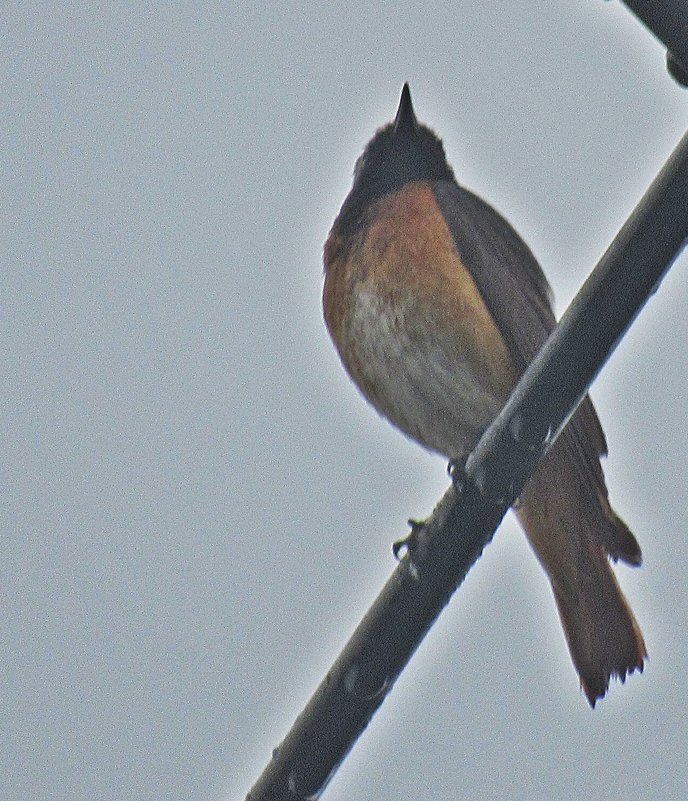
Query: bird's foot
point(408, 544)
point(456, 469)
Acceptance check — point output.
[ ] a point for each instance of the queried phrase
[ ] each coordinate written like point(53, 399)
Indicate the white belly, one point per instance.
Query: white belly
point(423, 385)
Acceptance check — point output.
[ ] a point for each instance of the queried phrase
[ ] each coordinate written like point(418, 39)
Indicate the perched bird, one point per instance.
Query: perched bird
point(436, 306)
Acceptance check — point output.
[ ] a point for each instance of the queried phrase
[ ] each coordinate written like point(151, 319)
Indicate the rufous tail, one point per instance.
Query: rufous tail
point(572, 529)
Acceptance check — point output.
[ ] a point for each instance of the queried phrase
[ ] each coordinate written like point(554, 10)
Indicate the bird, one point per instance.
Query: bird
point(436, 306)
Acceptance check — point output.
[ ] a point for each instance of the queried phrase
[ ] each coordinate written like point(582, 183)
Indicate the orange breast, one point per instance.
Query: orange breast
point(410, 325)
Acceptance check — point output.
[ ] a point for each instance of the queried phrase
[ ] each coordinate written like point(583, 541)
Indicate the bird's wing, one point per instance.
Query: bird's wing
point(519, 299)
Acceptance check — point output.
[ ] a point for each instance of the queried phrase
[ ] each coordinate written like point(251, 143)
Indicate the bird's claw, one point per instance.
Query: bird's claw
point(456, 469)
point(408, 543)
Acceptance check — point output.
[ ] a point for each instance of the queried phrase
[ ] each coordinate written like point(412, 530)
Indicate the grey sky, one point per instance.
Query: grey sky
point(197, 505)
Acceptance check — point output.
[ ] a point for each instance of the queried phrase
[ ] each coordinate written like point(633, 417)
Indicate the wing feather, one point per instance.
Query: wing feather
point(519, 299)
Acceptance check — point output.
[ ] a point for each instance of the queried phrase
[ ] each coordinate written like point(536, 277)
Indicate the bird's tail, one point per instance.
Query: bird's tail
point(570, 528)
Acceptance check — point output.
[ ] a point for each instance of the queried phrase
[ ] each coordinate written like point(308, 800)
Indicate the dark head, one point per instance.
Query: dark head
point(401, 152)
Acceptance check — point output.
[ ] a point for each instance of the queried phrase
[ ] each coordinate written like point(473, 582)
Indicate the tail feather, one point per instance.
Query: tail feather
point(603, 636)
point(620, 542)
point(572, 531)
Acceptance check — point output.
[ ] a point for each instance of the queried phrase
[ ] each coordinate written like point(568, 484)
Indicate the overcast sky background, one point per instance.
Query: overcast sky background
point(197, 506)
